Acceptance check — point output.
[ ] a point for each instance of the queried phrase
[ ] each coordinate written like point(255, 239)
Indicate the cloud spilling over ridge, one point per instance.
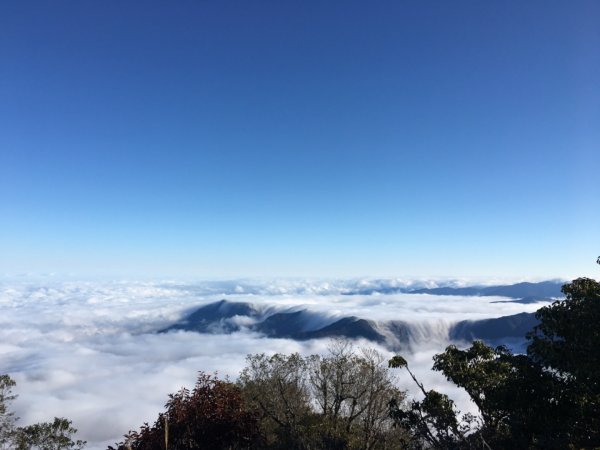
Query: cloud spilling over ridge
point(89, 351)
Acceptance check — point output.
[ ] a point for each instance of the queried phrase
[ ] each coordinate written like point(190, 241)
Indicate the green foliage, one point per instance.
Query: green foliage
point(397, 362)
point(549, 398)
point(568, 334)
point(433, 422)
point(567, 343)
point(55, 435)
point(515, 396)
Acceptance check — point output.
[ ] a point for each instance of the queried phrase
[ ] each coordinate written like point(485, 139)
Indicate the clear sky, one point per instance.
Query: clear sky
point(308, 138)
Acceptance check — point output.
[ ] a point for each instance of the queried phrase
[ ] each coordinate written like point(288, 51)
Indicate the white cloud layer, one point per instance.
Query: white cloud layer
point(88, 351)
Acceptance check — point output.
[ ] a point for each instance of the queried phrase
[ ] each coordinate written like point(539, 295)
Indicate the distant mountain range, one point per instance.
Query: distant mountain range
point(544, 289)
point(531, 291)
point(303, 324)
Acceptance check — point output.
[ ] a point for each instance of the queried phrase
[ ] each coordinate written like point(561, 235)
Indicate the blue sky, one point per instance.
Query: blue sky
point(289, 138)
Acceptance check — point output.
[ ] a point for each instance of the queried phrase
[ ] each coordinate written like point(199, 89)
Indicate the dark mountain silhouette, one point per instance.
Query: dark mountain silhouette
point(282, 324)
point(348, 327)
point(304, 324)
point(212, 317)
point(515, 326)
point(526, 300)
point(291, 324)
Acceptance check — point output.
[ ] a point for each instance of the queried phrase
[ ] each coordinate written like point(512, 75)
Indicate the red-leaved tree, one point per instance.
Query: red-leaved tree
point(211, 416)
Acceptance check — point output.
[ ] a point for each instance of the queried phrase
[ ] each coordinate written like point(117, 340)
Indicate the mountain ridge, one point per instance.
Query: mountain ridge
point(219, 318)
point(303, 324)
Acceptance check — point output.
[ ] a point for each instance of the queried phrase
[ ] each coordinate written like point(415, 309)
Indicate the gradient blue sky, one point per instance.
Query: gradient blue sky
point(309, 138)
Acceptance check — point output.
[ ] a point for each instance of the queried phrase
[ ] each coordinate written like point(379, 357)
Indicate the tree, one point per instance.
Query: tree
point(548, 398)
point(567, 344)
point(433, 421)
point(56, 435)
point(212, 416)
point(278, 387)
point(336, 401)
point(352, 390)
point(7, 418)
point(515, 396)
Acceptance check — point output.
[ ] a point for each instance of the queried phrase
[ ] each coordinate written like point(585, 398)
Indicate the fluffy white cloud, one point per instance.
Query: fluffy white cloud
point(89, 351)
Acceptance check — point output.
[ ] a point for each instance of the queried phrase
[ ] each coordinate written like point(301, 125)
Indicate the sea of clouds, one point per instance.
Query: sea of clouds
point(89, 351)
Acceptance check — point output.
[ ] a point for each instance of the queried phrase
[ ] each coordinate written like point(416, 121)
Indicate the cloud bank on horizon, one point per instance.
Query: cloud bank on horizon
point(89, 351)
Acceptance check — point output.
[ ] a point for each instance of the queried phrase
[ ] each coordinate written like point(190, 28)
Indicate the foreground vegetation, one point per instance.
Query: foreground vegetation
point(548, 398)
point(337, 401)
point(55, 435)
